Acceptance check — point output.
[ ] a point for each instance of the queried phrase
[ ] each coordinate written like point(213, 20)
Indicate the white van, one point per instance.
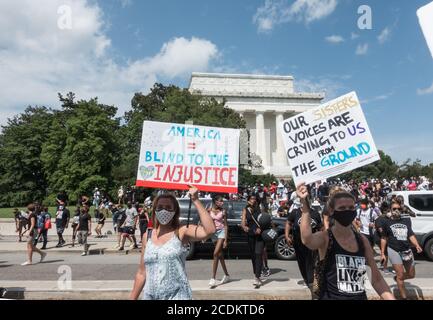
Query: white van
point(421, 203)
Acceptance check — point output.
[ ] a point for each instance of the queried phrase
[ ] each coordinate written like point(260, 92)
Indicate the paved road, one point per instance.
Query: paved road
point(123, 267)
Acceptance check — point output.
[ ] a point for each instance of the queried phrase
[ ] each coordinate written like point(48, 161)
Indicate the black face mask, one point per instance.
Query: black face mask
point(344, 217)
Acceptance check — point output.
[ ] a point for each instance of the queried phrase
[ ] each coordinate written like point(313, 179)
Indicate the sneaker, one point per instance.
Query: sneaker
point(27, 263)
point(386, 272)
point(120, 249)
point(257, 283)
point(266, 272)
point(225, 279)
point(212, 283)
point(84, 254)
point(43, 256)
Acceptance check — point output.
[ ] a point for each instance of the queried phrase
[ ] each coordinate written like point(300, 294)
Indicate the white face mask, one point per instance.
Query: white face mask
point(164, 216)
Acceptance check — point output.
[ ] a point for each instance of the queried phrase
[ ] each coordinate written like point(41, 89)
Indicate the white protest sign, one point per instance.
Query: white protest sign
point(425, 16)
point(328, 140)
point(173, 156)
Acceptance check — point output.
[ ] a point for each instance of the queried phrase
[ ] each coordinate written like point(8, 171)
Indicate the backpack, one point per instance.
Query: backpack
point(47, 223)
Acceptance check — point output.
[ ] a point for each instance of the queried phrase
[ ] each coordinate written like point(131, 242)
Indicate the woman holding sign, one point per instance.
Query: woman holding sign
point(162, 266)
point(344, 254)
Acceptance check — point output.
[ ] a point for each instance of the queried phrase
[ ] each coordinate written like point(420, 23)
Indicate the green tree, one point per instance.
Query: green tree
point(82, 148)
point(22, 176)
point(385, 168)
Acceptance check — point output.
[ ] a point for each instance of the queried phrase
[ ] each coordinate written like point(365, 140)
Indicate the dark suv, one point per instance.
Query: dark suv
point(238, 245)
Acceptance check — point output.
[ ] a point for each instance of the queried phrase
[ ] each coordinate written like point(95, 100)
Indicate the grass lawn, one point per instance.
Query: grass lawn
point(8, 212)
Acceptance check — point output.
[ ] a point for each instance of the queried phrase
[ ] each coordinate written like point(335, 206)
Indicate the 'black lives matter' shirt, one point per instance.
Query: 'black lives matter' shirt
point(398, 233)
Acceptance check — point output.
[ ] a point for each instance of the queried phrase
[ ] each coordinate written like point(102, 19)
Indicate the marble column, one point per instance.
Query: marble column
point(280, 155)
point(261, 137)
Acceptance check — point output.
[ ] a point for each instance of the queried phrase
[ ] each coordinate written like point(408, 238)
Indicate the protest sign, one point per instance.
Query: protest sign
point(173, 156)
point(425, 16)
point(328, 140)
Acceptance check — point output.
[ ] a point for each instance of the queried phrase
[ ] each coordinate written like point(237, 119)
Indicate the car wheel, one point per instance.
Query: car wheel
point(190, 248)
point(428, 249)
point(282, 250)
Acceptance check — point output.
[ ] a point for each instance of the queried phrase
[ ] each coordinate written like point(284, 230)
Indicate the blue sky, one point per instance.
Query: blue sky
point(131, 43)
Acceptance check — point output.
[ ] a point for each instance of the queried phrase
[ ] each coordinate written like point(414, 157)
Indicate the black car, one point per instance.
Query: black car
point(238, 245)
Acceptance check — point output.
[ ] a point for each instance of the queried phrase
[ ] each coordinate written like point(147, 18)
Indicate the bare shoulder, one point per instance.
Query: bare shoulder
point(182, 232)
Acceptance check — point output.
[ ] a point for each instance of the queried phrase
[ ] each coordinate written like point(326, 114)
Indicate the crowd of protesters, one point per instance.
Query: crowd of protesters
point(335, 209)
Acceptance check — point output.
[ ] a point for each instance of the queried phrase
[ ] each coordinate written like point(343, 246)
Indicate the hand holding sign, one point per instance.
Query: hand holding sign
point(193, 191)
point(302, 191)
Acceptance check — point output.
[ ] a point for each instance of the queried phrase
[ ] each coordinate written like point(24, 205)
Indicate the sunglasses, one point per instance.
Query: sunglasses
point(395, 209)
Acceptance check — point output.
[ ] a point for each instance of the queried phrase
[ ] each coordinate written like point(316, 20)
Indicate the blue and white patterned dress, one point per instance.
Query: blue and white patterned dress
point(165, 271)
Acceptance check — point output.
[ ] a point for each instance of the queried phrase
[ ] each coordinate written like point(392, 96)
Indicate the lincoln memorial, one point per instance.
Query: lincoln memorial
point(264, 101)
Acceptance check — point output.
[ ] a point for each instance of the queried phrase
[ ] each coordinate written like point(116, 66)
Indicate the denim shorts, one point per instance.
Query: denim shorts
point(219, 234)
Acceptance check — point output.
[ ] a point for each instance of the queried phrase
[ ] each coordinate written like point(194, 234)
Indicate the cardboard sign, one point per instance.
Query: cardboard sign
point(425, 16)
point(329, 140)
point(174, 156)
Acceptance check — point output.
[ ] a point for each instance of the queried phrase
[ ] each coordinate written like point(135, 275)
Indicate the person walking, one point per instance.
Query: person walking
point(43, 218)
point(161, 274)
point(21, 222)
point(32, 237)
point(305, 257)
point(220, 238)
point(397, 237)
point(74, 225)
point(129, 226)
point(100, 223)
point(84, 229)
point(255, 242)
point(365, 218)
point(62, 221)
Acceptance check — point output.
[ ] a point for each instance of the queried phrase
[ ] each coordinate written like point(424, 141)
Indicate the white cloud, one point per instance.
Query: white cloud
point(378, 98)
point(126, 3)
point(275, 12)
point(428, 90)
point(384, 35)
point(334, 39)
point(354, 36)
point(362, 49)
point(38, 59)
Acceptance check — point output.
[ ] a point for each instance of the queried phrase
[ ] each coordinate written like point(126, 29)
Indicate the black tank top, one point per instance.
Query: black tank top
point(252, 226)
point(345, 272)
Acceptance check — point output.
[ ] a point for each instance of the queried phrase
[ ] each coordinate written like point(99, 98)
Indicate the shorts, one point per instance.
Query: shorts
point(219, 234)
point(128, 231)
point(82, 237)
point(32, 238)
point(395, 258)
point(59, 227)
